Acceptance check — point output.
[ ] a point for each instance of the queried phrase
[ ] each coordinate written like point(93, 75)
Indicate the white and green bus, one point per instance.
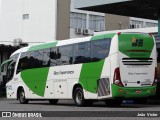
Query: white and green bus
point(108, 67)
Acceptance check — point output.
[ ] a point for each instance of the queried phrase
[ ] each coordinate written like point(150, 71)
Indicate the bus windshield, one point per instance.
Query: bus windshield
point(11, 67)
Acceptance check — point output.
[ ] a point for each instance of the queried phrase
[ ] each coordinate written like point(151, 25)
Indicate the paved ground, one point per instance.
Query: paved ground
point(68, 105)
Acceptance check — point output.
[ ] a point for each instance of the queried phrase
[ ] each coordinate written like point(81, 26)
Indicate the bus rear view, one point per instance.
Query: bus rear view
point(136, 75)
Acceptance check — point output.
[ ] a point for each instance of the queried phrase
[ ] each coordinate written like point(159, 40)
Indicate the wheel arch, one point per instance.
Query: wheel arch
point(19, 88)
point(75, 86)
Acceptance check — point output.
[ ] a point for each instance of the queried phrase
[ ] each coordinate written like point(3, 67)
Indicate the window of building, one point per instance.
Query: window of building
point(136, 24)
point(25, 16)
point(96, 23)
point(78, 20)
point(81, 53)
point(149, 24)
point(141, 24)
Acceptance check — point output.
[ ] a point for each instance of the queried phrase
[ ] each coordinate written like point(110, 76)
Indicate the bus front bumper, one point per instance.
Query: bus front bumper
point(133, 92)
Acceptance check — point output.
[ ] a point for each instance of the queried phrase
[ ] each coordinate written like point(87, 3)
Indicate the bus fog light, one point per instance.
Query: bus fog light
point(117, 81)
point(155, 80)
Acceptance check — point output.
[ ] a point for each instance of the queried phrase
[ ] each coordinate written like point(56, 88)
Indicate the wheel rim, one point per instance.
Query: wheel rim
point(79, 97)
point(22, 96)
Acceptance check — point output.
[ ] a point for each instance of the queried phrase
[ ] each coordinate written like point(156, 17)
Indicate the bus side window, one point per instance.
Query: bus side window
point(65, 54)
point(23, 62)
point(81, 53)
point(100, 49)
point(38, 58)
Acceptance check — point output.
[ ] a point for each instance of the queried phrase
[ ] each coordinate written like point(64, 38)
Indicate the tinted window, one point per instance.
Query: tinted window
point(81, 53)
point(36, 59)
point(29, 60)
point(65, 55)
point(46, 58)
point(11, 67)
point(100, 49)
point(53, 57)
point(10, 70)
point(23, 62)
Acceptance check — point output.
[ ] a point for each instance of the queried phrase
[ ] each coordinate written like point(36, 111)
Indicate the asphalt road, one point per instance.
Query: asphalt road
point(93, 112)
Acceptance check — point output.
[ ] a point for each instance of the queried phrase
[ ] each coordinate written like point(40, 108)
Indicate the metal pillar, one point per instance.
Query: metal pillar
point(158, 22)
point(158, 25)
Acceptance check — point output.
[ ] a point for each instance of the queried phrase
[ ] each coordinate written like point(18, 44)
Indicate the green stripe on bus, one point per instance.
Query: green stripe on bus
point(129, 92)
point(126, 46)
point(36, 79)
point(99, 37)
point(43, 46)
point(90, 74)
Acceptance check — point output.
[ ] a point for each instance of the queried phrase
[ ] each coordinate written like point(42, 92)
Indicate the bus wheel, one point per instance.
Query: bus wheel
point(21, 97)
point(53, 101)
point(79, 97)
point(113, 102)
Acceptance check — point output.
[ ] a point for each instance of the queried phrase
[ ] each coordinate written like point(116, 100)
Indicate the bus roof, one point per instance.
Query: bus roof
point(50, 44)
point(139, 30)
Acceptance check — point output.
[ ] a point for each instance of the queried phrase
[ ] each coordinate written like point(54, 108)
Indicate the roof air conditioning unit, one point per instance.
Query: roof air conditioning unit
point(78, 30)
point(86, 32)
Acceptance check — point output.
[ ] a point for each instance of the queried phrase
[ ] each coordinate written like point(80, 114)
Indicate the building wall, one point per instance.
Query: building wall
point(40, 26)
point(115, 22)
point(10, 21)
point(63, 19)
point(73, 33)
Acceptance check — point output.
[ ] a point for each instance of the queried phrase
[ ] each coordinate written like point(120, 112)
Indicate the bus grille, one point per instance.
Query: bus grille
point(137, 61)
point(103, 87)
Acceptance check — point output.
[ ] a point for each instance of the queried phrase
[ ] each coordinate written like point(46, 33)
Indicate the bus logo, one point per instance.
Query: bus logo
point(137, 42)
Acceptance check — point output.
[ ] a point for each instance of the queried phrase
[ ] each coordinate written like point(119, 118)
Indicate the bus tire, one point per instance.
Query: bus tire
point(21, 97)
point(79, 97)
point(113, 102)
point(53, 101)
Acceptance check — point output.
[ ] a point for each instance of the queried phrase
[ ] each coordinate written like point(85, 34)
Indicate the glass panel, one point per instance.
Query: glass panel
point(81, 53)
point(46, 58)
point(100, 49)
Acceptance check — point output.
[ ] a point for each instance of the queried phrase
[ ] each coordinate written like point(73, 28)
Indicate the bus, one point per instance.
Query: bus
point(154, 32)
point(107, 67)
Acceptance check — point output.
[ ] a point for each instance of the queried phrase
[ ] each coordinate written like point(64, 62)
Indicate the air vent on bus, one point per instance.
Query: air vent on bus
point(103, 87)
point(137, 61)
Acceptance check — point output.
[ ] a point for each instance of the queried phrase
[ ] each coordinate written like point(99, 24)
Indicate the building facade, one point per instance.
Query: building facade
point(27, 22)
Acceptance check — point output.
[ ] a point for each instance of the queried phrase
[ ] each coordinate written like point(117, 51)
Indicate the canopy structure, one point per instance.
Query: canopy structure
point(148, 9)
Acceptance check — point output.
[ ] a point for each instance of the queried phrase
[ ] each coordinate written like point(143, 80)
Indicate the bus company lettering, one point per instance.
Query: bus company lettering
point(63, 72)
point(134, 73)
